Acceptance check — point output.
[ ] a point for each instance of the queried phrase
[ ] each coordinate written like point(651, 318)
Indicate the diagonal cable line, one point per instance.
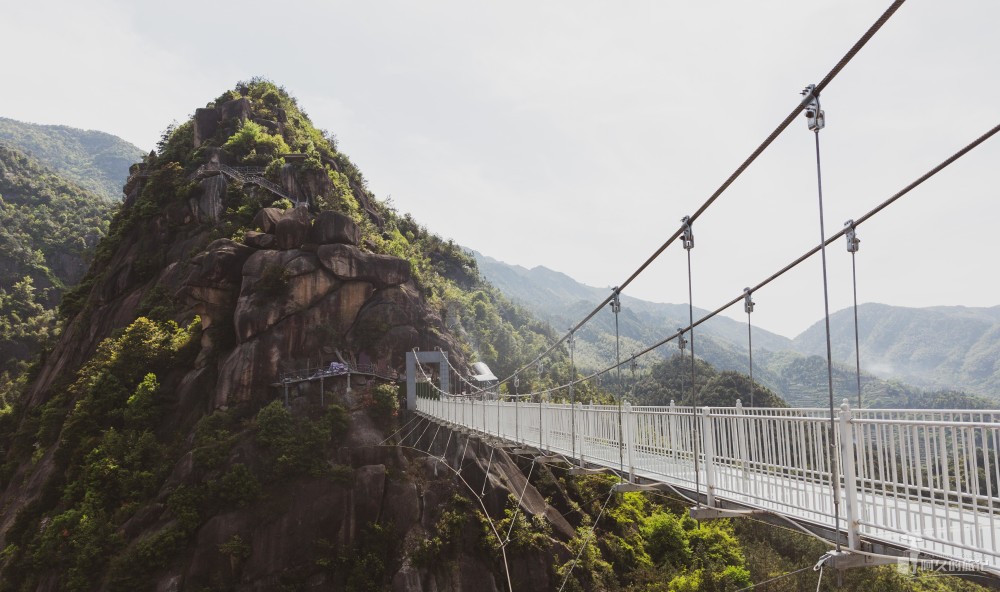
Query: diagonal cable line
point(851, 53)
point(805, 256)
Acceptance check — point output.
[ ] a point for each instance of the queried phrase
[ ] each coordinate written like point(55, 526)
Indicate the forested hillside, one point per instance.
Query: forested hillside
point(156, 446)
point(944, 347)
point(94, 160)
point(795, 370)
point(49, 228)
point(148, 446)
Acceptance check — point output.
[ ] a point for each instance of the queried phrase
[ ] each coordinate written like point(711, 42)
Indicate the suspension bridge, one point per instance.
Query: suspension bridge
point(883, 486)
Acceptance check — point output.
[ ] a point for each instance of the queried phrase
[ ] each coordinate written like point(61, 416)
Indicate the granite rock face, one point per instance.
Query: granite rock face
point(298, 285)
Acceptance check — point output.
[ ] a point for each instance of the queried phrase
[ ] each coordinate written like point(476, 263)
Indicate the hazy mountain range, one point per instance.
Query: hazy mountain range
point(96, 161)
point(939, 348)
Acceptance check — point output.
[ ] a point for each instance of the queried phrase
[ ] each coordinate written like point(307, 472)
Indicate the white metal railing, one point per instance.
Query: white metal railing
point(252, 175)
point(323, 369)
point(923, 480)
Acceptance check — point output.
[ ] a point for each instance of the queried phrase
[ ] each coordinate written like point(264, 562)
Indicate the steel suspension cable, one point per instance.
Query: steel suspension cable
point(852, 246)
point(616, 307)
point(748, 307)
point(688, 235)
point(517, 509)
point(493, 527)
point(572, 396)
point(775, 579)
point(815, 125)
point(853, 51)
point(804, 257)
point(584, 541)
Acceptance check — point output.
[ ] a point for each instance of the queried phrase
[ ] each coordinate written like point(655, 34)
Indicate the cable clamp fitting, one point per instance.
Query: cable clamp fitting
point(815, 115)
point(688, 236)
point(616, 303)
point(853, 242)
point(681, 342)
point(747, 300)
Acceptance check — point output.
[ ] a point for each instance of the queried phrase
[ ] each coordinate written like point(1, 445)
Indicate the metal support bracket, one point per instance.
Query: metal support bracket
point(841, 560)
point(616, 303)
point(853, 242)
point(583, 471)
point(688, 236)
point(527, 451)
point(815, 115)
point(681, 342)
point(707, 513)
point(630, 487)
point(747, 300)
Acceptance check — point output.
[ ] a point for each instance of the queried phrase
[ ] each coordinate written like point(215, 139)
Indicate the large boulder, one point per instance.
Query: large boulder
point(293, 228)
point(206, 123)
point(267, 219)
point(210, 204)
point(392, 322)
point(222, 261)
point(286, 179)
point(314, 182)
point(333, 228)
point(277, 284)
point(236, 109)
point(347, 262)
point(260, 240)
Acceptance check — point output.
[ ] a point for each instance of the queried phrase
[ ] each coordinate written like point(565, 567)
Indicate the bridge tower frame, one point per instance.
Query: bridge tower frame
point(424, 357)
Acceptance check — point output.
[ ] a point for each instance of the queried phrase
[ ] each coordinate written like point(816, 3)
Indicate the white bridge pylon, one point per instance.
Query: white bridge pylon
point(424, 357)
point(918, 482)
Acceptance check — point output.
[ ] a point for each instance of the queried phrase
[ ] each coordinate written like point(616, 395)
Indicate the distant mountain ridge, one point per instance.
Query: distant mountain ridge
point(563, 301)
point(94, 160)
point(49, 227)
point(939, 348)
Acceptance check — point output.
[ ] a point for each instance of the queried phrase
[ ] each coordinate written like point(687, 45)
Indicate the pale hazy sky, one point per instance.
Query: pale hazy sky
point(576, 134)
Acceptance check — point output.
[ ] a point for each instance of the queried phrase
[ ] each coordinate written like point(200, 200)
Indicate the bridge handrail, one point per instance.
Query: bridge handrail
point(251, 175)
point(322, 371)
point(930, 474)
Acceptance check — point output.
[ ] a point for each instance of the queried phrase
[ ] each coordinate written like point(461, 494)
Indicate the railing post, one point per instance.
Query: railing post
point(540, 422)
point(848, 447)
point(577, 435)
point(741, 449)
point(708, 445)
point(517, 418)
point(629, 440)
point(673, 427)
point(572, 428)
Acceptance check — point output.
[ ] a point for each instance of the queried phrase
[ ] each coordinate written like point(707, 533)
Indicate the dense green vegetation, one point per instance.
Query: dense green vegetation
point(944, 347)
point(950, 348)
point(96, 161)
point(641, 542)
point(48, 230)
point(112, 430)
point(671, 379)
point(102, 431)
point(131, 466)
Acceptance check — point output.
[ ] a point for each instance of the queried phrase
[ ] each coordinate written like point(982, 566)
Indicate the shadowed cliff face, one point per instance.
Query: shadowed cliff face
point(147, 452)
